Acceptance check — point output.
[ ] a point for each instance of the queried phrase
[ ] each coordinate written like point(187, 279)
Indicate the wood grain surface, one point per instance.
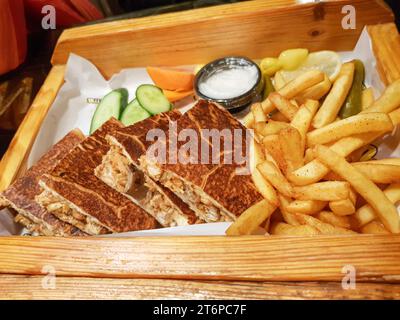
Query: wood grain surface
point(252, 28)
point(386, 46)
point(38, 287)
point(256, 258)
point(19, 148)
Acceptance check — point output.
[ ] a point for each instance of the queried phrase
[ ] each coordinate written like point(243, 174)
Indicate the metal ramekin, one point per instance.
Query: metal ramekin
point(238, 103)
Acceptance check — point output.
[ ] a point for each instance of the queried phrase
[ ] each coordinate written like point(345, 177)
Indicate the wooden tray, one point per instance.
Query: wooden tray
point(203, 267)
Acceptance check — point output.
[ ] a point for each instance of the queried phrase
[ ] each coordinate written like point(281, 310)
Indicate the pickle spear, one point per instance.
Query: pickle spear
point(352, 104)
point(268, 86)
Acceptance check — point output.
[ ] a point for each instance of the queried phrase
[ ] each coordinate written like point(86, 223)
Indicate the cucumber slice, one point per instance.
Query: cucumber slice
point(152, 99)
point(110, 106)
point(133, 113)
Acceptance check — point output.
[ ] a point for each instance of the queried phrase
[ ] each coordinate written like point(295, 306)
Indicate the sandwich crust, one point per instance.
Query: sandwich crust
point(21, 194)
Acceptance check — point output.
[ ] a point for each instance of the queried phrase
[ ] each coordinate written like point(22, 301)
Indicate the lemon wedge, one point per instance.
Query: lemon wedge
point(326, 61)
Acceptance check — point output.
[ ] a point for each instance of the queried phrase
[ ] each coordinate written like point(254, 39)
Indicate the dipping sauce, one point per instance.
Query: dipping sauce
point(229, 83)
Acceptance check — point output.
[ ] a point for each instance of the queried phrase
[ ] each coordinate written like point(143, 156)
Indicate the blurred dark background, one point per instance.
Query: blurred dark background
point(19, 85)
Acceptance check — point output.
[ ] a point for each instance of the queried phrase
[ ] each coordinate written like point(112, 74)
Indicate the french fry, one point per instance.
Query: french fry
point(366, 213)
point(385, 210)
point(390, 161)
point(272, 146)
point(264, 187)
point(283, 105)
point(289, 91)
point(331, 218)
point(303, 117)
point(330, 107)
point(395, 116)
point(323, 191)
point(322, 227)
point(374, 227)
point(360, 123)
point(306, 206)
point(379, 173)
point(271, 127)
point(376, 172)
point(367, 98)
point(290, 142)
point(308, 155)
point(344, 207)
point(287, 216)
point(316, 92)
point(251, 219)
point(314, 170)
point(258, 113)
point(278, 116)
point(276, 178)
point(284, 229)
point(279, 82)
point(388, 101)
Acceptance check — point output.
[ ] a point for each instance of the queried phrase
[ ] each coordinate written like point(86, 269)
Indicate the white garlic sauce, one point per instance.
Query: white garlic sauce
point(229, 83)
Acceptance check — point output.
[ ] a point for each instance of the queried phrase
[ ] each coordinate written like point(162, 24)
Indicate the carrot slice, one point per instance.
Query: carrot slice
point(169, 79)
point(173, 96)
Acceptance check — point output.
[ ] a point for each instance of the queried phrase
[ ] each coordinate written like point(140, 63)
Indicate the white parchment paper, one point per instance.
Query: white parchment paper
point(82, 81)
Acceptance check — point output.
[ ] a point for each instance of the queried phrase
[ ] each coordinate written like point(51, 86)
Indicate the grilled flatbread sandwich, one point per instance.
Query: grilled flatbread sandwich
point(75, 195)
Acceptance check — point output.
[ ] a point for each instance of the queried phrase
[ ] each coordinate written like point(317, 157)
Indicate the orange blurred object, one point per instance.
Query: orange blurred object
point(173, 96)
point(171, 79)
point(12, 35)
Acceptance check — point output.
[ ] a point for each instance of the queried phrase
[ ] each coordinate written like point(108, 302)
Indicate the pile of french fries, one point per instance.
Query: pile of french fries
point(307, 161)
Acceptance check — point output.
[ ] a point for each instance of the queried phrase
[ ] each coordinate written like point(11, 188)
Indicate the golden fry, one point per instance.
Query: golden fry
point(366, 213)
point(273, 147)
point(316, 92)
point(276, 178)
point(290, 142)
point(306, 206)
point(264, 187)
point(258, 113)
point(331, 218)
point(344, 207)
point(323, 191)
point(388, 101)
point(385, 210)
point(322, 227)
point(251, 219)
point(303, 117)
point(283, 105)
point(367, 98)
point(330, 107)
point(374, 227)
point(314, 170)
point(360, 123)
point(284, 229)
point(272, 127)
point(288, 217)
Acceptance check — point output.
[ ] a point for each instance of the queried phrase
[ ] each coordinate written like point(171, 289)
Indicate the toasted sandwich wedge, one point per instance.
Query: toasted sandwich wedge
point(214, 190)
point(20, 196)
point(75, 195)
point(120, 170)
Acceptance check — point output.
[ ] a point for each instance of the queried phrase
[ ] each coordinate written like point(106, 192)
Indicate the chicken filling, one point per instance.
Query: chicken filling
point(160, 207)
point(205, 207)
point(63, 211)
point(116, 171)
